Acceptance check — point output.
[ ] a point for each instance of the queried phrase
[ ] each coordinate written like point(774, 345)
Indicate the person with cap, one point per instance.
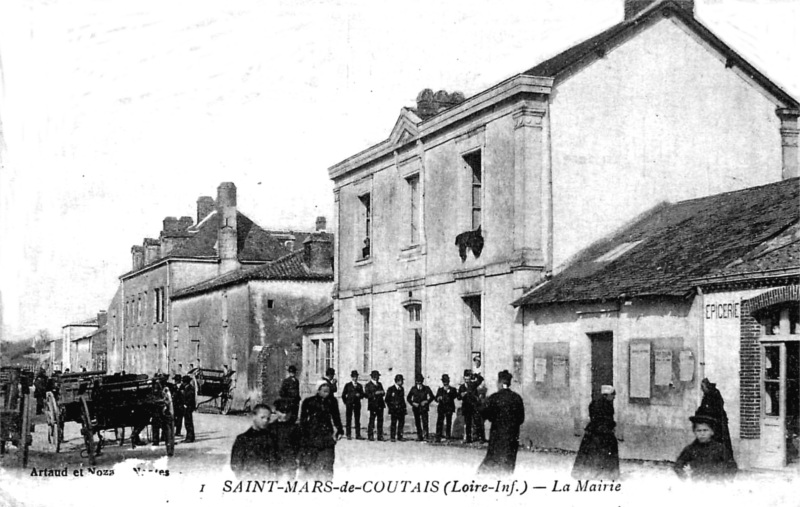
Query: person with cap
point(420, 397)
point(189, 406)
point(506, 412)
point(285, 439)
point(318, 417)
point(598, 454)
point(714, 406)
point(176, 390)
point(705, 458)
point(253, 454)
point(445, 407)
point(330, 379)
point(352, 394)
point(396, 402)
point(290, 390)
point(375, 404)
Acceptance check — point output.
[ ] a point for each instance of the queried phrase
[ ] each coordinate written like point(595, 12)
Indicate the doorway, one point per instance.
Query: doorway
point(602, 367)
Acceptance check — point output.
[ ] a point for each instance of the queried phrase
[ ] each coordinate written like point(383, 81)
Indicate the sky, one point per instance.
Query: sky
point(116, 114)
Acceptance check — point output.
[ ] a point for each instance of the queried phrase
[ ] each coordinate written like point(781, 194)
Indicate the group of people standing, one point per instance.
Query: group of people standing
point(308, 442)
point(708, 457)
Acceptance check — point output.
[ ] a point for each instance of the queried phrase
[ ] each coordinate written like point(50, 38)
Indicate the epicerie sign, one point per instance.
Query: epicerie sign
point(728, 310)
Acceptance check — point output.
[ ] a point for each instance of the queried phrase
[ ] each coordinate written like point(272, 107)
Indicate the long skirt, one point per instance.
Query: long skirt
point(598, 457)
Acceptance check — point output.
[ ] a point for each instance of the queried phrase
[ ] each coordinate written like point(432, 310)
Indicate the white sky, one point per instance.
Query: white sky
point(117, 113)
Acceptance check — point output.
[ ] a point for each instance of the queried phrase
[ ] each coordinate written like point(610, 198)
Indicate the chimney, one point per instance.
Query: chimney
point(174, 233)
point(205, 205)
point(152, 249)
point(102, 318)
point(789, 136)
point(430, 104)
point(137, 256)
point(321, 224)
point(634, 7)
point(318, 253)
point(227, 237)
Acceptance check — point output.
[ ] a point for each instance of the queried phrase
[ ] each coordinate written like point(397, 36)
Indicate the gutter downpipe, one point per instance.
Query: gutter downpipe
point(701, 341)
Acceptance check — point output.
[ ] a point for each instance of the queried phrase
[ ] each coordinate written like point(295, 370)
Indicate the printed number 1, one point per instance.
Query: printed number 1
point(202, 487)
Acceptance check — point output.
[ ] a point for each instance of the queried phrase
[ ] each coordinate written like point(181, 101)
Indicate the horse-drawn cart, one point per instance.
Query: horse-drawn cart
point(111, 402)
point(16, 410)
point(217, 385)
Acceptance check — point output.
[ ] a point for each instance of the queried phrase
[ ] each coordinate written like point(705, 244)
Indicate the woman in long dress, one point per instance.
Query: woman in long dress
point(598, 455)
point(714, 406)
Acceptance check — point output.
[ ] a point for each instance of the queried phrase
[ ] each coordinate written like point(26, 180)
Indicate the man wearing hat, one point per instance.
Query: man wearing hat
point(189, 406)
point(375, 404)
point(468, 394)
point(706, 458)
point(290, 390)
point(396, 402)
point(420, 396)
point(505, 410)
point(318, 417)
point(177, 403)
point(445, 406)
point(352, 394)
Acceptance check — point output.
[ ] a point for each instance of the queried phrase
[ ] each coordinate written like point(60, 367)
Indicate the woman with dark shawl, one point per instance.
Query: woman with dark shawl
point(598, 455)
point(714, 406)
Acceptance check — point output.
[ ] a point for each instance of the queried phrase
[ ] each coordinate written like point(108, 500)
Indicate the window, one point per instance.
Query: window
point(139, 310)
point(323, 355)
point(413, 191)
point(474, 304)
point(158, 304)
point(366, 225)
point(473, 161)
point(366, 338)
point(414, 312)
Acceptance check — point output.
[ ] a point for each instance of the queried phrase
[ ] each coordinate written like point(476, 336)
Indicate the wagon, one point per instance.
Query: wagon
point(16, 410)
point(62, 402)
point(217, 385)
point(111, 402)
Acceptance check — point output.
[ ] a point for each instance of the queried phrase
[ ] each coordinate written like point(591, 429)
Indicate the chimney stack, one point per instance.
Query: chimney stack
point(137, 256)
point(789, 142)
point(102, 318)
point(227, 236)
point(205, 205)
point(430, 104)
point(318, 253)
point(152, 250)
point(634, 7)
point(322, 223)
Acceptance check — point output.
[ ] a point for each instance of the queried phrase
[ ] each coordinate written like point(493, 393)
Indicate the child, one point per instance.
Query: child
point(252, 452)
point(285, 440)
point(705, 459)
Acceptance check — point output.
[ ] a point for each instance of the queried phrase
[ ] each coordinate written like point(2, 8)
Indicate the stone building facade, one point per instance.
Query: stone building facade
point(471, 202)
point(142, 337)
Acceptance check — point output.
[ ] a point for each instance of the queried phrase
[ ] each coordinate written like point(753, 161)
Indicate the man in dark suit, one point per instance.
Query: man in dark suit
point(375, 404)
point(445, 406)
point(420, 396)
point(396, 402)
point(352, 394)
point(177, 403)
point(189, 406)
point(470, 405)
point(505, 410)
point(290, 390)
point(330, 379)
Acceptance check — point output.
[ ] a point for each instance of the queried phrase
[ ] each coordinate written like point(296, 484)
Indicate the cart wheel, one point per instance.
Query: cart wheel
point(53, 416)
point(87, 430)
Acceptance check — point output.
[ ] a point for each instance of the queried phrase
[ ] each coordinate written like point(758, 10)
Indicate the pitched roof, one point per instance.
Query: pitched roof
point(662, 252)
point(595, 47)
point(322, 318)
point(289, 267)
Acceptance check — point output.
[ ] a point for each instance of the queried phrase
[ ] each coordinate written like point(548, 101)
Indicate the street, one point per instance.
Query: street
point(199, 472)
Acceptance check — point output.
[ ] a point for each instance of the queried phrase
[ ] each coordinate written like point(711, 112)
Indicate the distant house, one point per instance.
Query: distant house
point(142, 337)
point(247, 319)
point(71, 336)
point(707, 287)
